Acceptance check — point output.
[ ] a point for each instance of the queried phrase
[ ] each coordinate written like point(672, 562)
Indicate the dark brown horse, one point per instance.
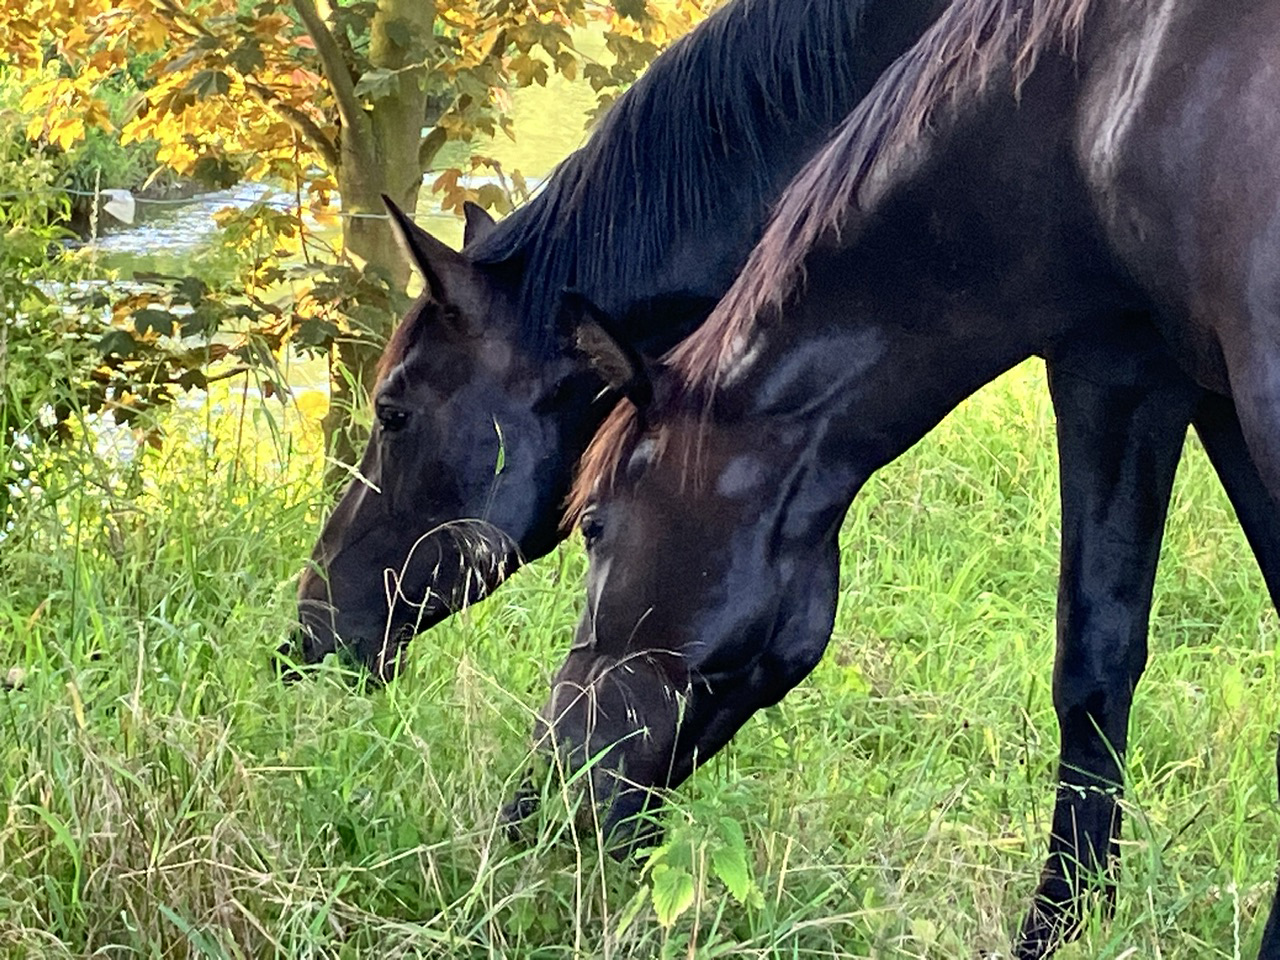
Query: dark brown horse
point(484, 408)
point(1031, 178)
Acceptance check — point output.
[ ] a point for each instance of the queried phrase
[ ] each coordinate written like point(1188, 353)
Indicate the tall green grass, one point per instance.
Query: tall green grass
point(163, 796)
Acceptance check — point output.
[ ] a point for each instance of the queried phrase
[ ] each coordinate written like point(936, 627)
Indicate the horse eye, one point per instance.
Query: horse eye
point(591, 526)
point(391, 418)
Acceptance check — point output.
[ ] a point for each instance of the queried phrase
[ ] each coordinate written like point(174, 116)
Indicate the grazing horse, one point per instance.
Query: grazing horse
point(1030, 178)
point(484, 408)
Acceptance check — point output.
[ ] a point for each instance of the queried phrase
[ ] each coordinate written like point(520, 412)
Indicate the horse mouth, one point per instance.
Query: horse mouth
point(623, 817)
point(316, 636)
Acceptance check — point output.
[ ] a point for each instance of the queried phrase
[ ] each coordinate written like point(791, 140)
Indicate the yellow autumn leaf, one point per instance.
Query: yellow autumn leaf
point(95, 114)
point(35, 128)
point(77, 40)
point(39, 95)
point(67, 132)
point(77, 705)
point(313, 404)
point(152, 33)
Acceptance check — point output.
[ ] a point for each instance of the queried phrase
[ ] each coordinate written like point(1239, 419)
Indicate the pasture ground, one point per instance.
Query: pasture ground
point(163, 796)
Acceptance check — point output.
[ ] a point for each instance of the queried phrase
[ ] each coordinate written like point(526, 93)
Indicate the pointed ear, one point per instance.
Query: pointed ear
point(441, 266)
point(615, 361)
point(478, 223)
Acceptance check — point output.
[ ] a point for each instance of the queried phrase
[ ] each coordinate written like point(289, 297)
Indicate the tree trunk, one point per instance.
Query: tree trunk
point(380, 157)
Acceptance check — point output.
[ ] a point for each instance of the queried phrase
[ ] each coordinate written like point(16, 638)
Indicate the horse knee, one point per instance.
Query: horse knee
point(1087, 686)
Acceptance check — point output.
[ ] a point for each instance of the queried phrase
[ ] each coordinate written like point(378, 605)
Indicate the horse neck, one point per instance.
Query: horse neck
point(779, 134)
point(653, 219)
point(986, 254)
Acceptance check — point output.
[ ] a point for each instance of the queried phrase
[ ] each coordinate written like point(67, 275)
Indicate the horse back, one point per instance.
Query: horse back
point(1177, 135)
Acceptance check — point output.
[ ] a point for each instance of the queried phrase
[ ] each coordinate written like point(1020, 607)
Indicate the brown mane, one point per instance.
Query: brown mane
point(952, 61)
point(599, 464)
point(394, 352)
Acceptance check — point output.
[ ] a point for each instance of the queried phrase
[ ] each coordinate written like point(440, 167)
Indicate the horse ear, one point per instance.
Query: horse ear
point(614, 360)
point(441, 266)
point(478, 223)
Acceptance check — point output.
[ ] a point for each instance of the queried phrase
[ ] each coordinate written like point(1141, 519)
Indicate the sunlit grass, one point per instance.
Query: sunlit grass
point(165, 797)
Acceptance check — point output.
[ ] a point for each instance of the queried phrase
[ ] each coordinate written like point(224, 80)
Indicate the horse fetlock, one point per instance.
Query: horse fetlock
point(1059, 910)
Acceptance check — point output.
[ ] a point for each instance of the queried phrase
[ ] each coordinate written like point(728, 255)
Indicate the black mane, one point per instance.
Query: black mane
point(710, 133)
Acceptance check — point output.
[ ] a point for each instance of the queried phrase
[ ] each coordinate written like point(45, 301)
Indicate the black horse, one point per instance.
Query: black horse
point(948, 231)
point(651, 221)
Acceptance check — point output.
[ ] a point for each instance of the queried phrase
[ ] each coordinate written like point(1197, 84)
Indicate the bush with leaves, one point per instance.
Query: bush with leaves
point(355, 99)
point(78, 345)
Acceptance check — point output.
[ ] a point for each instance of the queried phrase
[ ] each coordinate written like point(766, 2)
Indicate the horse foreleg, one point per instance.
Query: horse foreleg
point(1255, 385)
point(1119, 448)
point(1219, 429)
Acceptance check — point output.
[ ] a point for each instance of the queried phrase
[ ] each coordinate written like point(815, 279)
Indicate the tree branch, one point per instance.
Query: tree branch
point(429, 147)
point(182, 16)
point(309, 129)
point(335, 70)
point(343, 40)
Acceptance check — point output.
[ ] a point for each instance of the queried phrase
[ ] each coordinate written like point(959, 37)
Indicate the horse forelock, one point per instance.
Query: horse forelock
point(397, 346)
point(621, 433)
point(701, 125)
point(598, 466)
point(952, 62)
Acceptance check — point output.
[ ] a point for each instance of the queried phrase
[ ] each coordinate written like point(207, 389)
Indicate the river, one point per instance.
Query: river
point(549, 122)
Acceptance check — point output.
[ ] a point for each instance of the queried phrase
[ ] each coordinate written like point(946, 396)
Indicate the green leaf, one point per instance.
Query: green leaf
point(502, 449)
point(193, 380)
point(150, 320)
point(567, 64)
point(854, 681)
point(208, 83)
point(118, 342)
point(197, 938)
point(192, 289)
point(632, 910)
point(924, 930)
point(407, 836)
point(493, 197)
point(247, 57)
point(315, 333)
point(199, 322)
point(377, 83)
point(729, 860)
point(672, 893)
point(1233, 688)
point(399, 33)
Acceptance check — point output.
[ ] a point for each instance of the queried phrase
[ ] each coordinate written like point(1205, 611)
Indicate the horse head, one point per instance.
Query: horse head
point(710, 592)
point(469, 460)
